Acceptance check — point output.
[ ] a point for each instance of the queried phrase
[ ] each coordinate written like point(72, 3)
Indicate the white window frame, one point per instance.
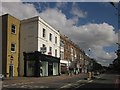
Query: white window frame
point(13, 47)
point(44, 33)
point(55, 52)
point(61, 43)
point(50, 49)
point(43, 45)
point(55, 40)
point(61, 55)
point(50, 37)
point(13, 29)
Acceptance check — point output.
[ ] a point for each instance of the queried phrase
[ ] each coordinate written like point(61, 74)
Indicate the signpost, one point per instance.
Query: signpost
point(43, 49)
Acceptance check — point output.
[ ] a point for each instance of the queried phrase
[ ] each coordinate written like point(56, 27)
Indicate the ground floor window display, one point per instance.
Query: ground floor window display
point(37, 64)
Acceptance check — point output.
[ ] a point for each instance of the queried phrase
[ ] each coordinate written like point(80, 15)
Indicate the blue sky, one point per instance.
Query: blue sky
point(97, 12)
point(88, 24)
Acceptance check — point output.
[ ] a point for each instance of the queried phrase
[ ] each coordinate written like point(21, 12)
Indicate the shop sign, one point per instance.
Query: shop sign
point(43, 49)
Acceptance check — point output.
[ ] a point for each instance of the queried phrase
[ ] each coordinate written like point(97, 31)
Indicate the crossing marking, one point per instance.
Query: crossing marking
point(66, 86)
point(80, 85)
point(90, 81)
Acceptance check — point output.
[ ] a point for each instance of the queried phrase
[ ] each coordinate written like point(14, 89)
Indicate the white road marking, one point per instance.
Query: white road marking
point(66, 86)
point(79, 85)
point(90, 81)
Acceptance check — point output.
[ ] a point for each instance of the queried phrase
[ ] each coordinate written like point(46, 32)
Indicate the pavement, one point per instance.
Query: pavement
point(103, 81)
point(0, 85)
point(54, 82)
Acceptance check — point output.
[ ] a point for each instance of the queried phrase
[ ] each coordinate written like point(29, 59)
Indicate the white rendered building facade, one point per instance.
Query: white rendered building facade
point(37, 35)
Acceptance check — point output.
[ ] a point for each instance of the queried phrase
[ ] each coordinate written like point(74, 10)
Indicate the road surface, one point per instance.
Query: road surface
point(105, 81)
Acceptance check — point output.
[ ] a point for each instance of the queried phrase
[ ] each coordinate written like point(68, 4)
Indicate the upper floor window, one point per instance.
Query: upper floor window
point(71, 50)
point(50, 49)
point(13, 29)
point(61, 55)
point(55, 52)
point(50, 37)
point(43, 48)
point(44, 31)
point(61, 43)
point(43, 45)
point(56, 40)
point(13, 47)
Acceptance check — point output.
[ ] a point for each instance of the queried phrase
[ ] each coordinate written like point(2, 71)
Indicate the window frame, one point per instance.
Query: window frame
point(13, 30)
point(14, 47)
point(55, 52)
point(43, 45)
point(50, 49)
point(55, 40)
point(50, 37)
point(44, 33)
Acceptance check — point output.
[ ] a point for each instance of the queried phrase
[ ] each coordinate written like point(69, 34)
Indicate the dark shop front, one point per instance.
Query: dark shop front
point(37, 64)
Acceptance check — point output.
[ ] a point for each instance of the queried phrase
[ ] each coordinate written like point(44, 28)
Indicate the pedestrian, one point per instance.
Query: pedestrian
point(70, 71)
point(117, 84)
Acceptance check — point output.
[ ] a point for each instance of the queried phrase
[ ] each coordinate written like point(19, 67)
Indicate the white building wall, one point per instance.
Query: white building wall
point(31, 38)
point(42, 40)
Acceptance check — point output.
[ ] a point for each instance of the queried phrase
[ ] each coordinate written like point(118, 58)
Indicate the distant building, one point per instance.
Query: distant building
point(71, 55)
point(37, 35)
point(10, 45)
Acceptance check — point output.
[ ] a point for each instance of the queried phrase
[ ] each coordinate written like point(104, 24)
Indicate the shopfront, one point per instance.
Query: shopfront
point(37, 64)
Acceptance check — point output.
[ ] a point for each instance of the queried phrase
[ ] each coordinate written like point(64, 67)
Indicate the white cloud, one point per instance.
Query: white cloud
point(19, 9)
point(79, 13)
point(94, 36)
point(61, 4)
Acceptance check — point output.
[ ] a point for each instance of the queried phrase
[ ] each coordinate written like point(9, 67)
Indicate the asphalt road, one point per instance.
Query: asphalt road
point(53, 83)
point(70, 83)
point(105, 81)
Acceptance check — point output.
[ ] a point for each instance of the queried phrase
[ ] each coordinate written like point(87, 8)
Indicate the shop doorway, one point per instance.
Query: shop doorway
point(50, 69)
